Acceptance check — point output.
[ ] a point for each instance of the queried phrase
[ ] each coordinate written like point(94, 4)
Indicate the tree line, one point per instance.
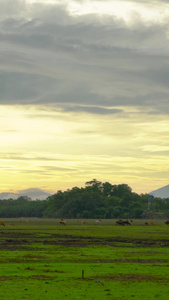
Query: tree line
point(95, 200)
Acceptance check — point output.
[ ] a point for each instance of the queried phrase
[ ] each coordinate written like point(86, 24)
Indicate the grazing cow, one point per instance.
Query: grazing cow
point(151, 222)
point(83, 222)
point(98, 222)
point(62, 222)
point(167, 222)
point(126, 222)
point(2, 223)
point(146, 223)
point(120, 222)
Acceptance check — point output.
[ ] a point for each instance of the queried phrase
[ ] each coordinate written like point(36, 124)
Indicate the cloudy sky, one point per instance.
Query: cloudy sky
point(84, 93)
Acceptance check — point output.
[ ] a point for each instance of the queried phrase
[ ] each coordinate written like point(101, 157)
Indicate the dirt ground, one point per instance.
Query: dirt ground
point(13, 240)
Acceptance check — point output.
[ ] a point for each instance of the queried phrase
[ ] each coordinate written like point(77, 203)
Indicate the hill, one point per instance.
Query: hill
point(33, 193)
point(161, 193)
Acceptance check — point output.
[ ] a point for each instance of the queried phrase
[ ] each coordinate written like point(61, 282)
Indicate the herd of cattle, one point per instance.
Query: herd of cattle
point(121, 222)
point(118, 222)
point(3, 224)
point(97, 222)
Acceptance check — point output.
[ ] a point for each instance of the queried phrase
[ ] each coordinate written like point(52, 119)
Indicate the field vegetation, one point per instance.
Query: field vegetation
point(41, 259)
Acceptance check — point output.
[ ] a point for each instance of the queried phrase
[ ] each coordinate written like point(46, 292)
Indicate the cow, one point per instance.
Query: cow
point(151, 222)
point(62, 222)
point(2, 223)
point(167, 222)
point(126, 222)
point(83, 222)
point(12, 224)
point(98, 222)
point(120, 222)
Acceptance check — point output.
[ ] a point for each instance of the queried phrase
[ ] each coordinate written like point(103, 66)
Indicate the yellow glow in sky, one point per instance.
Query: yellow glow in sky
point(50, 151)
point(127, 10)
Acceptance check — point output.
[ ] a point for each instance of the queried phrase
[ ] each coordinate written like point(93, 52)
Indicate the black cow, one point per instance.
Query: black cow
point(121, 222)
point(126, 222)
point(62, 222)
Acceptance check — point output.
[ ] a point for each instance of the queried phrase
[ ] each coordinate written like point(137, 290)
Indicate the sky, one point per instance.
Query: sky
point(84, 93)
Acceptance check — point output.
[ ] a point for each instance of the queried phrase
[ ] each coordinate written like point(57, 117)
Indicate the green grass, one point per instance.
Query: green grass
point(41, 260)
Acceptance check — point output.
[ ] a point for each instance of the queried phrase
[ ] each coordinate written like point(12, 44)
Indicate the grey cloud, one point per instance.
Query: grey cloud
point(9, 8)
point(92, 109)
point(82, 34)
point(81, 63)
point(48, 170)
point(22, 88)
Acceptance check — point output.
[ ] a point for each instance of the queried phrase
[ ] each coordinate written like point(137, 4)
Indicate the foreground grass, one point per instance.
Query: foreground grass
point(42, 260)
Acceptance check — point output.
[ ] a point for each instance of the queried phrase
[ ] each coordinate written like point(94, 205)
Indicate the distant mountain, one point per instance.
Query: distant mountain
point(32, 193)
point(161, 193)
point(8, 196)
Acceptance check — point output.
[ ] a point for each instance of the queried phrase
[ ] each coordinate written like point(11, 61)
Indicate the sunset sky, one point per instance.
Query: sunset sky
point(84, 93)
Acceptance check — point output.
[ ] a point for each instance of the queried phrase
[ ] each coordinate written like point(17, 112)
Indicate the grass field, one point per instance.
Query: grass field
point(41, 259)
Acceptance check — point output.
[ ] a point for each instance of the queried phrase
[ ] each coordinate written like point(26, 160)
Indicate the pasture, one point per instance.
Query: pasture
point(42, 259)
